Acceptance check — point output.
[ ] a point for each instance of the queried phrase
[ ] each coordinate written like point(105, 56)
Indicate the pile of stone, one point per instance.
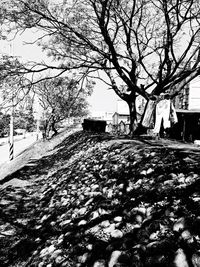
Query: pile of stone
point(103, 202)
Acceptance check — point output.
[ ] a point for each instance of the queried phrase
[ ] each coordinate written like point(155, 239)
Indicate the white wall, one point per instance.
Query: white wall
point(194, 94)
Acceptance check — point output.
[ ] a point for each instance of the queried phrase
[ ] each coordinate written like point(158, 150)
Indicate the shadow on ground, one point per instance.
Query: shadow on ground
point(58, 156)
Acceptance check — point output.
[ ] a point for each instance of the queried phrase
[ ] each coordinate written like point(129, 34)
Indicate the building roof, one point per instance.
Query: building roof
point(126, 114)
point(191, 111)
point(121, 114)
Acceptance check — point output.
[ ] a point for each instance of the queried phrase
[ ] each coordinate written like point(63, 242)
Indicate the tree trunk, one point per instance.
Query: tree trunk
point(140, 129)
point(53, 126)
point(52, 123)
point(133, 117)
point(48, 128)
point(136, 127)
point(45, 126)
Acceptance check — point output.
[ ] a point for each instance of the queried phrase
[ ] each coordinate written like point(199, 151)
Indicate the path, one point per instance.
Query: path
point(19, 146)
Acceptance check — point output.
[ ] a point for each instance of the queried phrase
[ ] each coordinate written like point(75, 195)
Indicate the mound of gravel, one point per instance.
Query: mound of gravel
point(102, 202)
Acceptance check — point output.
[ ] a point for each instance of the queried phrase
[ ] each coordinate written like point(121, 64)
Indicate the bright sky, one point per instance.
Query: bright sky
point(102, 99)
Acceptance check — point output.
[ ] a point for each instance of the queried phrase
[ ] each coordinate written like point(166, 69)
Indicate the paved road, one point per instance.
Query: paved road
point(19, 146)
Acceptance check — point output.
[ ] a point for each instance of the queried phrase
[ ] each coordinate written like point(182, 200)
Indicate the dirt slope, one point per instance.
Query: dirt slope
point(100, 201)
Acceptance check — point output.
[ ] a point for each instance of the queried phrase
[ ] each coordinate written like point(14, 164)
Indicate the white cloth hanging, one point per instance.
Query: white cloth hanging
point(173, 116)
point(148, 115)
point(162, 113)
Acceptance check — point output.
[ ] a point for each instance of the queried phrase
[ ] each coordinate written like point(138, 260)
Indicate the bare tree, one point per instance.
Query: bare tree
point(144, 47)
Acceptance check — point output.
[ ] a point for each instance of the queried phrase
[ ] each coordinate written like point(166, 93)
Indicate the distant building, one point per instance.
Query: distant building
point(187, 105)
point(189, 96)
point(118, 117)
point(181, 101)
point(102, 115)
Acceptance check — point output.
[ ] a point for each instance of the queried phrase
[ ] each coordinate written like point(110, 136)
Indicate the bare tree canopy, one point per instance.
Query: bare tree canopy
point(139, 44)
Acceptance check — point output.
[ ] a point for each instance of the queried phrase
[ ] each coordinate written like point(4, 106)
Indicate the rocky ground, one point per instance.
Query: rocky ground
point(99, 201)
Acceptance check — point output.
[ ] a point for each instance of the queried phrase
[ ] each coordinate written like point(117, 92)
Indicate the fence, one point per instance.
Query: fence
point(121, 128)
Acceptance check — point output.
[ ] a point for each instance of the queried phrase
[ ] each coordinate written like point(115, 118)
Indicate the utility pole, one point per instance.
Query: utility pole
point(11, 137)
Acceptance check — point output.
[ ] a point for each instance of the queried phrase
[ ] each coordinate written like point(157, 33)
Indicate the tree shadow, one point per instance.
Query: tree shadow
point(61, 153)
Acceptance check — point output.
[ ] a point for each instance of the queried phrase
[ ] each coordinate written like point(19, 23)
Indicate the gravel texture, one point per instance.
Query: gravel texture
point(100, 201)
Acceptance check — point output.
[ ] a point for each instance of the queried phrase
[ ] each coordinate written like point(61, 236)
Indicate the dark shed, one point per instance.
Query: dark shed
point(188, 126)
point(94, 125)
